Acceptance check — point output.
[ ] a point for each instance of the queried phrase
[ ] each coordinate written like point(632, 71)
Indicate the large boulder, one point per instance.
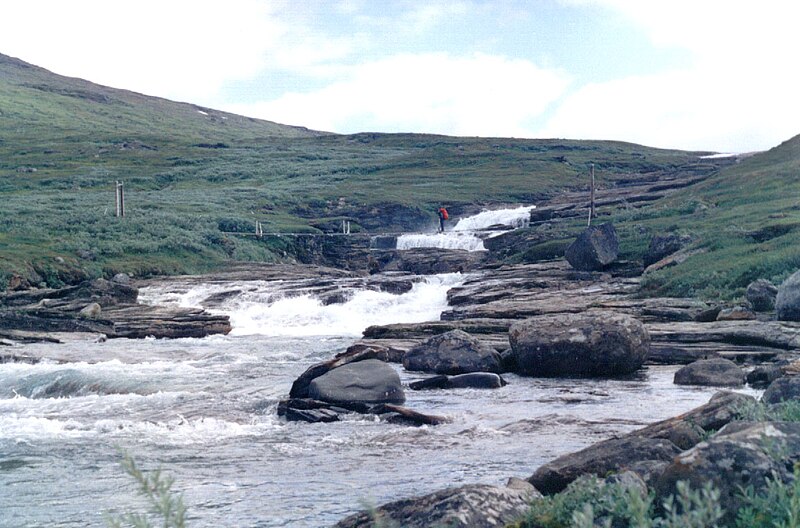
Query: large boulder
point(714, 372)
point(782, 389)
point(761, 295)
point(594, 249)
point(600, 459)
point(470, 506)
point(591, 344)
point(454, 352)
point(354, 353)
point(787, 302)
point(368, 381)
point(741, 455)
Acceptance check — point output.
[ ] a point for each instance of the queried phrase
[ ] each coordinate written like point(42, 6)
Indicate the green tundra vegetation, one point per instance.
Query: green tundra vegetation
point(194, 177)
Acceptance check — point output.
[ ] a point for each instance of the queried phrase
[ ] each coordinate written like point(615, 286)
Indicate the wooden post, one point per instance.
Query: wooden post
point(120, 192)
point(591, 196)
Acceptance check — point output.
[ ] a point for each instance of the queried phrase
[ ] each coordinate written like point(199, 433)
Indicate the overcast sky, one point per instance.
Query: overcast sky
point(690, 74)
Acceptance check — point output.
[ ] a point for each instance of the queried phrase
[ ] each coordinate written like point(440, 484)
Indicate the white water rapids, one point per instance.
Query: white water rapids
point(204, 411)
point(464, 234)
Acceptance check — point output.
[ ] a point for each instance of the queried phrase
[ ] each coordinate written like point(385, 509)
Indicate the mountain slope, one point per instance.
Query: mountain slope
point(36, 104)
point(194, 175)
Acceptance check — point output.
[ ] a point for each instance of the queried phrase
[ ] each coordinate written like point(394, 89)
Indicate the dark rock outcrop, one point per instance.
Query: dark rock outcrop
point(472, 380)
point(787, 301)
point(714, 372)
point(368, 381)
point(600, 459)
point(315, 411)
point(741, 455)
point(584, 345)
point(470, 506)
point(454, 352)
point(761, 295)
point(688, 429)
point(594, 249)
point(737, 313)
point(782, 389)
point(664, 245)
point(762, 376)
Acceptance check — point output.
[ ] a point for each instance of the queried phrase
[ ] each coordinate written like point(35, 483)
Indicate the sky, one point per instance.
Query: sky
point(706, 75)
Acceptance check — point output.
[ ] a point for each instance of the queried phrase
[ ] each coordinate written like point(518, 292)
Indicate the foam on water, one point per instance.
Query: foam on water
point(517, 217)
point(463, 236)
point(449, 240)
point(306, 315)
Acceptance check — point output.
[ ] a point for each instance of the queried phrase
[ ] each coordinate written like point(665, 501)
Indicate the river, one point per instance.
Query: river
point(204, 411)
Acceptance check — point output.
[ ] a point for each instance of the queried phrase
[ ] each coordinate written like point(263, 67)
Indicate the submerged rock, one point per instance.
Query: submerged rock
point(472, 380)
point(368, 381)
point(454, 352)
point(714, 372)
point(594, 249)
point(590, 344)
point(470, 506)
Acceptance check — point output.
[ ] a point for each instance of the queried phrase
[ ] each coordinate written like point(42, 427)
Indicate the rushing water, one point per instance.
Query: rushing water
point(204, 410)
point(464, 234)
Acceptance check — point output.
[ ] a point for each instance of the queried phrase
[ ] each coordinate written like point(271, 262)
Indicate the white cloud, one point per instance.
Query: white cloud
point(475, 95)
point(183, 49)
point(736, 95)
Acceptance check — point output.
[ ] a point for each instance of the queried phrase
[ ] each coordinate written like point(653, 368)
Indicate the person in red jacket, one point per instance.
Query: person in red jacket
point(442, 217)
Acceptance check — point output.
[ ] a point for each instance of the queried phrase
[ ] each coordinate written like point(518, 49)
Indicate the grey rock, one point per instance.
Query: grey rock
point(470, 506)
point(783, 389)
point(477, 380)
point(591, 344)
point(663, 245)
point(737, 313)
point(762, 376)
point(787, 301)
point(454, 352)
point(599, 459)
point(761, 295)
point(91, 311)
point(594, 249)
point(714, 372)
point(740, 455)
point(368, 381)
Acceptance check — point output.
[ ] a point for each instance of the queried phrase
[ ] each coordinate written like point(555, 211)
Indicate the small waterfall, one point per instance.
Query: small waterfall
point(449, 240)
point(463, 236)
point(514, 218)
point(277, 309)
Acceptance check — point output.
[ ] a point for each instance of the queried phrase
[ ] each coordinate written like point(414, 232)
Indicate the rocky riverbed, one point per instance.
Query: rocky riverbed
point(500, 319)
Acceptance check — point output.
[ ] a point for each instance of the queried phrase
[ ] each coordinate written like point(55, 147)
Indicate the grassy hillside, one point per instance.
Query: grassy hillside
point(192, 175)
point(745, 221)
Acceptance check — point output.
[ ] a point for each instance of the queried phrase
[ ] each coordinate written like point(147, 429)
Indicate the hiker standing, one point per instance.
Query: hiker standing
point(442, 217)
